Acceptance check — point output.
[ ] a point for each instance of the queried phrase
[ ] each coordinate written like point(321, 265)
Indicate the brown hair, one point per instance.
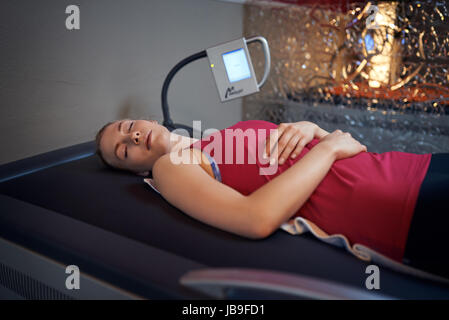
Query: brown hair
point(98, 137)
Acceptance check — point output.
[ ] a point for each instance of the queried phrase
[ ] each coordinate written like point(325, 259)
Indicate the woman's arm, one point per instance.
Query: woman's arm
point(280, 198)
point(189, 188)
point(321, 133)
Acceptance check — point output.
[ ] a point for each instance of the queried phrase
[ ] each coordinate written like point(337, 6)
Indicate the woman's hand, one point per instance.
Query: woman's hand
point(291, 139)
point(342, 144)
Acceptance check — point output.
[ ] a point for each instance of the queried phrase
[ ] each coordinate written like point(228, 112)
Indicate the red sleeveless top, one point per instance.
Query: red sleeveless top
point(369, 198)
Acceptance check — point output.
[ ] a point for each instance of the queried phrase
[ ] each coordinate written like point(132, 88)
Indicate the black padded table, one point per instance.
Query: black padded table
point(65, 208)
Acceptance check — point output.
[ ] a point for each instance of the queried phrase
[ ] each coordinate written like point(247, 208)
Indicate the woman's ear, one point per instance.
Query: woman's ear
point(143, 174)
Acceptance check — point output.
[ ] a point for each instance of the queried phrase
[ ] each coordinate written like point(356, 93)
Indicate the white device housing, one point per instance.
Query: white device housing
point(233, 71)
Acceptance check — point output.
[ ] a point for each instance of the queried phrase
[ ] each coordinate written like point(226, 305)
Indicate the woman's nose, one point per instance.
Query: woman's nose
point(136, 136)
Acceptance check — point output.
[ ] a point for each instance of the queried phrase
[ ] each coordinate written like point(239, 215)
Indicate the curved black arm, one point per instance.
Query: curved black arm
point(167, 120)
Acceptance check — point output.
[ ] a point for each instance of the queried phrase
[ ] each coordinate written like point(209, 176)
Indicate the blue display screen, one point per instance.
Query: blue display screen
point(236, 65)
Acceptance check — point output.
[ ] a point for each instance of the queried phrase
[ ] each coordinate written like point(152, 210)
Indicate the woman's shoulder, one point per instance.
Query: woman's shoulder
point(190, 156)
point(182, 156)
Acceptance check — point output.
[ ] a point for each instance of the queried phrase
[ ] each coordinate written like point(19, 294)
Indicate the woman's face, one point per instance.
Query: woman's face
point(134, 144)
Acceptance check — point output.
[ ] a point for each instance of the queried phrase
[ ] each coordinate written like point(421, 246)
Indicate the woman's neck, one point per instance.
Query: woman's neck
point(179, 142)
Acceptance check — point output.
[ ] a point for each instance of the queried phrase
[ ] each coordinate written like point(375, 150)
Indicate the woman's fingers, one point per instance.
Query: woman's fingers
point(278, 140)
point(281, 144)
point(272, 141)
point(299, 148)
point(289, 147)
point(288, 142)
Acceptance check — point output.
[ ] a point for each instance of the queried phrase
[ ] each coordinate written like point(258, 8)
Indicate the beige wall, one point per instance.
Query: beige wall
point(58, 87)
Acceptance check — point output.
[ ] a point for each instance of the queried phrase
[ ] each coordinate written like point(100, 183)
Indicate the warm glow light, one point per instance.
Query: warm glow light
point(381, 63)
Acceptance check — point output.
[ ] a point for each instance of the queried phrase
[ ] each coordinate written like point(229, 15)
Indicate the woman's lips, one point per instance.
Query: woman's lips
point(148, 141)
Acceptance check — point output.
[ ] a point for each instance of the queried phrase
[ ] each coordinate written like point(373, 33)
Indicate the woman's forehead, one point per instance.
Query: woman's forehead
point(109, 137)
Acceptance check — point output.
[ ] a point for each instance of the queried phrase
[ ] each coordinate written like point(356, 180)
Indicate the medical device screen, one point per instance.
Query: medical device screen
point(236, 65)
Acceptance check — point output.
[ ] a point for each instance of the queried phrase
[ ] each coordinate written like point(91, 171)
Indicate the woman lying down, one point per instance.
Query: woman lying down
point(255, 177)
